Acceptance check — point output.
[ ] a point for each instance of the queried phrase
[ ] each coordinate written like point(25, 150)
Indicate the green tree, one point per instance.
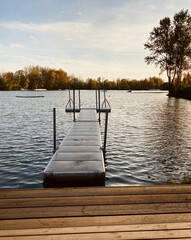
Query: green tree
point(170, 46)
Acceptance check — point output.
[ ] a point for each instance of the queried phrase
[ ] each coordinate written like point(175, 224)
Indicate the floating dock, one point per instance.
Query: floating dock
point(152, 212)
point(79, 159)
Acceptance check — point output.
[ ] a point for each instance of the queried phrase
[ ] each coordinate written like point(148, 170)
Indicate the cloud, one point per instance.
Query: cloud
point(152, 7)
point(16, 45)
point(110, 45)
point(47, 27)
point(168, 6)
point(32, 37)
point(113, 36)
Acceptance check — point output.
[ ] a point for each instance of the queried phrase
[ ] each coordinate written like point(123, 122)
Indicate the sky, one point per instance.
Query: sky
point(85, 38)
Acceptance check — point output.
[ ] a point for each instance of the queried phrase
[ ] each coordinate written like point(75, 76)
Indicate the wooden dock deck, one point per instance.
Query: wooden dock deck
point(94, 213)
point(79, 159)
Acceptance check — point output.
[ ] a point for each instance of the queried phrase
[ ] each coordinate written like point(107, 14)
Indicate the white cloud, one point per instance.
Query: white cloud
point(109, 48)
point(113, 37)
point(152, 7)
point(53, 27)
point(82, 68)
point(121, 16)
point(169, 6)
point(16, 45)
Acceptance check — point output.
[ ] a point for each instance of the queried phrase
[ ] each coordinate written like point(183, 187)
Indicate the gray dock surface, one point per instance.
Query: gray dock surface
point(79, 159)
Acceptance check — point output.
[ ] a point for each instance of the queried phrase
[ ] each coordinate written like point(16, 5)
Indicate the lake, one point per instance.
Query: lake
point(148, 142)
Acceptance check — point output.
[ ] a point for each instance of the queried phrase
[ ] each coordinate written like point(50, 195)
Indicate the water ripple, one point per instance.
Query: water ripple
point(149, 137)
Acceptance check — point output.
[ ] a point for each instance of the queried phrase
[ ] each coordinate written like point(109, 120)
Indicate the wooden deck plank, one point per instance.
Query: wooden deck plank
point(93, 221)
point(97, 229)
point(94, 191)
point(96, 200)
point(111, 235)
point(99, 210)
point(96, 213)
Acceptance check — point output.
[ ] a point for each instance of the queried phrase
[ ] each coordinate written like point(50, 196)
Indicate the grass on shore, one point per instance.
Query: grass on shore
point(185, 179)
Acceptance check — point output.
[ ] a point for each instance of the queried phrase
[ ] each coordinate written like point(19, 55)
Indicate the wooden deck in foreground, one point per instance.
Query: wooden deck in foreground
point(103, 213)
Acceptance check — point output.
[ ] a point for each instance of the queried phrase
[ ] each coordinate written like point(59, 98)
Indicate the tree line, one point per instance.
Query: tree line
point(35, 77)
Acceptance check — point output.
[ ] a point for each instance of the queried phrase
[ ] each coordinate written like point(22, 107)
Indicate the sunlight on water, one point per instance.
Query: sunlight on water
point(149, 136)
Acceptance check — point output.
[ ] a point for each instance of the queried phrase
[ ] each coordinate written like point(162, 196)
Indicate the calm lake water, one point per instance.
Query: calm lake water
point(149, 136)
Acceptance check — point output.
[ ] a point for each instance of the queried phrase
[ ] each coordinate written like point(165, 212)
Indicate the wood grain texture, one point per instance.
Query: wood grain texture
point(96, 200)
point(94, 191)
point(170, 234)
point(162, 212)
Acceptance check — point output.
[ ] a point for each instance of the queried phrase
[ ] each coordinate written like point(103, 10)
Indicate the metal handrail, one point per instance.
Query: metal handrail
point(70, 101)
point(106, 103)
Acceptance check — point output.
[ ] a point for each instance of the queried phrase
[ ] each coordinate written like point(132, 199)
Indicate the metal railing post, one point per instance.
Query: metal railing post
point(54, 129)
point(105, 133)
point(69, 98)
point(99, 104)
point(105, 98)
point(79, 99)
point(96, 99)
point(74, 105)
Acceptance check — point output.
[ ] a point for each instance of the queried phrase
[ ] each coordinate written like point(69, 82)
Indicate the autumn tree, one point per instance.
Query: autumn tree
point(21, 79)
point(34, 78)
point(170, 46)
point(48, 77)
point(91, 83)
point(61, 81)
point(3, 85)
point(186, 81)
point(182, 35)
point(10, 82)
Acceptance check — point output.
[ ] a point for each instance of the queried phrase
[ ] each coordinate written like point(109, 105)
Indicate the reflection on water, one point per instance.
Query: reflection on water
point(149, 139)
point(170, 138)
point(149, 136)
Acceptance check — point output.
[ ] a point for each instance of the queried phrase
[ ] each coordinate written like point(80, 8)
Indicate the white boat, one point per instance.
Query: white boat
point(40, 89)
